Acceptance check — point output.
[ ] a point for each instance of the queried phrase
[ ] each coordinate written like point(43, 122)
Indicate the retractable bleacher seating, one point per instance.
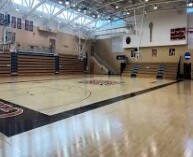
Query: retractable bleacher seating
point(148, 70)
point(5, 64)
point(71, 64)
point(170, 70)
point(156, 70)
point(129, 69)
point(36, 64)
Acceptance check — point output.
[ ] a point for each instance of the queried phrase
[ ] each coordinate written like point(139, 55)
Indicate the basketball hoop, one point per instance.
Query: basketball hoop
point(138, 55)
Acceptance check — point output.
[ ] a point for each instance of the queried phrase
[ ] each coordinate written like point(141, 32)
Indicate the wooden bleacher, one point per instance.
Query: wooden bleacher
point(148, 70)
point(36, 64)
point(168, 70)
point(128, 69)
point(5, 64)
point(40, 64)
point(71, 64)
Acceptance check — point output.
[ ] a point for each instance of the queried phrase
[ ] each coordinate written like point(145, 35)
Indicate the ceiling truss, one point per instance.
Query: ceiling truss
point(89, 14)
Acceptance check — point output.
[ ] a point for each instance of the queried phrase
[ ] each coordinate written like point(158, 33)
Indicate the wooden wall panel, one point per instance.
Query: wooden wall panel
point(5, 64)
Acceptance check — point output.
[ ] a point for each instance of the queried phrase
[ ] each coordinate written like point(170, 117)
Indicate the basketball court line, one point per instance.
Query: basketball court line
point(65, 78)
point(31, 119)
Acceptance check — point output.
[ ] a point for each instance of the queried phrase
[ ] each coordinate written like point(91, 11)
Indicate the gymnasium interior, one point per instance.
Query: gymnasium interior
point(96, 78)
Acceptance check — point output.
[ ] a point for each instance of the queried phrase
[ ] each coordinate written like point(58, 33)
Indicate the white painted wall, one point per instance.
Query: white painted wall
point(163, 22)
point(190, 35)
point(190, 20)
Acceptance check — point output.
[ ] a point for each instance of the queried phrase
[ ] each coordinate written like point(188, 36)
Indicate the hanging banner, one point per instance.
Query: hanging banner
point(7, 20)
point(26, 25)
point(172, 52)
point(31, 26)
point(13, 22)
point(18, 23)
point(154, 52)
point(1, 19)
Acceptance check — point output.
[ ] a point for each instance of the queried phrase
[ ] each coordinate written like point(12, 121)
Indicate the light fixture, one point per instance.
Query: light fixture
point(85, 10)
point(67, 2)
point(190, 3)
point(155, 7)
point(117, 7)
point(94, 16)
point(74, 5)
point(17, 9)
point(98, 15)
point(60, 2)
point(146, 0)
point(128, 13)
point(79, 9)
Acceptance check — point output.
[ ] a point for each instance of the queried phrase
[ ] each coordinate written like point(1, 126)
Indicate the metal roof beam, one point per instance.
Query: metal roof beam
point(2, 6)
point(106, 24)
point(60, 11)
point(82, 15)
point(95, 20)
point(34, 8)
point(141, 6)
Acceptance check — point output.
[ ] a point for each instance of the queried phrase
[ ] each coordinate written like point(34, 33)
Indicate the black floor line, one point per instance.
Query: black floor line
point(31, 119)
point(51, 79)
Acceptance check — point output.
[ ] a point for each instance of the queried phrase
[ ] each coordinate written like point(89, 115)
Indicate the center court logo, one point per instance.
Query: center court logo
point(8, 111)
point(101, 82)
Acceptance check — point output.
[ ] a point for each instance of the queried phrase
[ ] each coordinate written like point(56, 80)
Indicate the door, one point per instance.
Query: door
point(187, 70)
point(52, 45)
point(91, 67)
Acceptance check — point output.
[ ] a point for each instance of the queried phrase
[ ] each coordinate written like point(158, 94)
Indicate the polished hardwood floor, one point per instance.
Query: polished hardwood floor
point(156, 123)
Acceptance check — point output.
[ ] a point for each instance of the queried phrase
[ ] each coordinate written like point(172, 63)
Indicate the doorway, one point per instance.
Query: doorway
point(52, 43)
point(187, 70)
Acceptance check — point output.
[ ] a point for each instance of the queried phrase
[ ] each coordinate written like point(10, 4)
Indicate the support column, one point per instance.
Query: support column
point(57, 64)
point(14, 64)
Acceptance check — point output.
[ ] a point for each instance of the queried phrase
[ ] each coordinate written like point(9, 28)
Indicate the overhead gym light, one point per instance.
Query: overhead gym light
point(17, 9)
point(67, 2)
point(190, 3)
point(85, 10)
point(155, 7)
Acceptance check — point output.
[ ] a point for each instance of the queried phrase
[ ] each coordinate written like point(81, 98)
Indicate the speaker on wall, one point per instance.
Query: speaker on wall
point(128, 40)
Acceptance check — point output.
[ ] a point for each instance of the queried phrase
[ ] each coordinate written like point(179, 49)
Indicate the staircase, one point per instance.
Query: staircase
point(100, 65)
point(135, 70)
point(160, 73)
point(103, 64)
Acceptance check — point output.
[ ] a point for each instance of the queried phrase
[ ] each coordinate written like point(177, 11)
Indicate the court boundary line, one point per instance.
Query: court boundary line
point(65, 78)
point(50, 79)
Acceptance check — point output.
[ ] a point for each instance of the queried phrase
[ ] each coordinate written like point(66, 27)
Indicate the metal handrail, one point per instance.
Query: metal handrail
point(101, 61)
